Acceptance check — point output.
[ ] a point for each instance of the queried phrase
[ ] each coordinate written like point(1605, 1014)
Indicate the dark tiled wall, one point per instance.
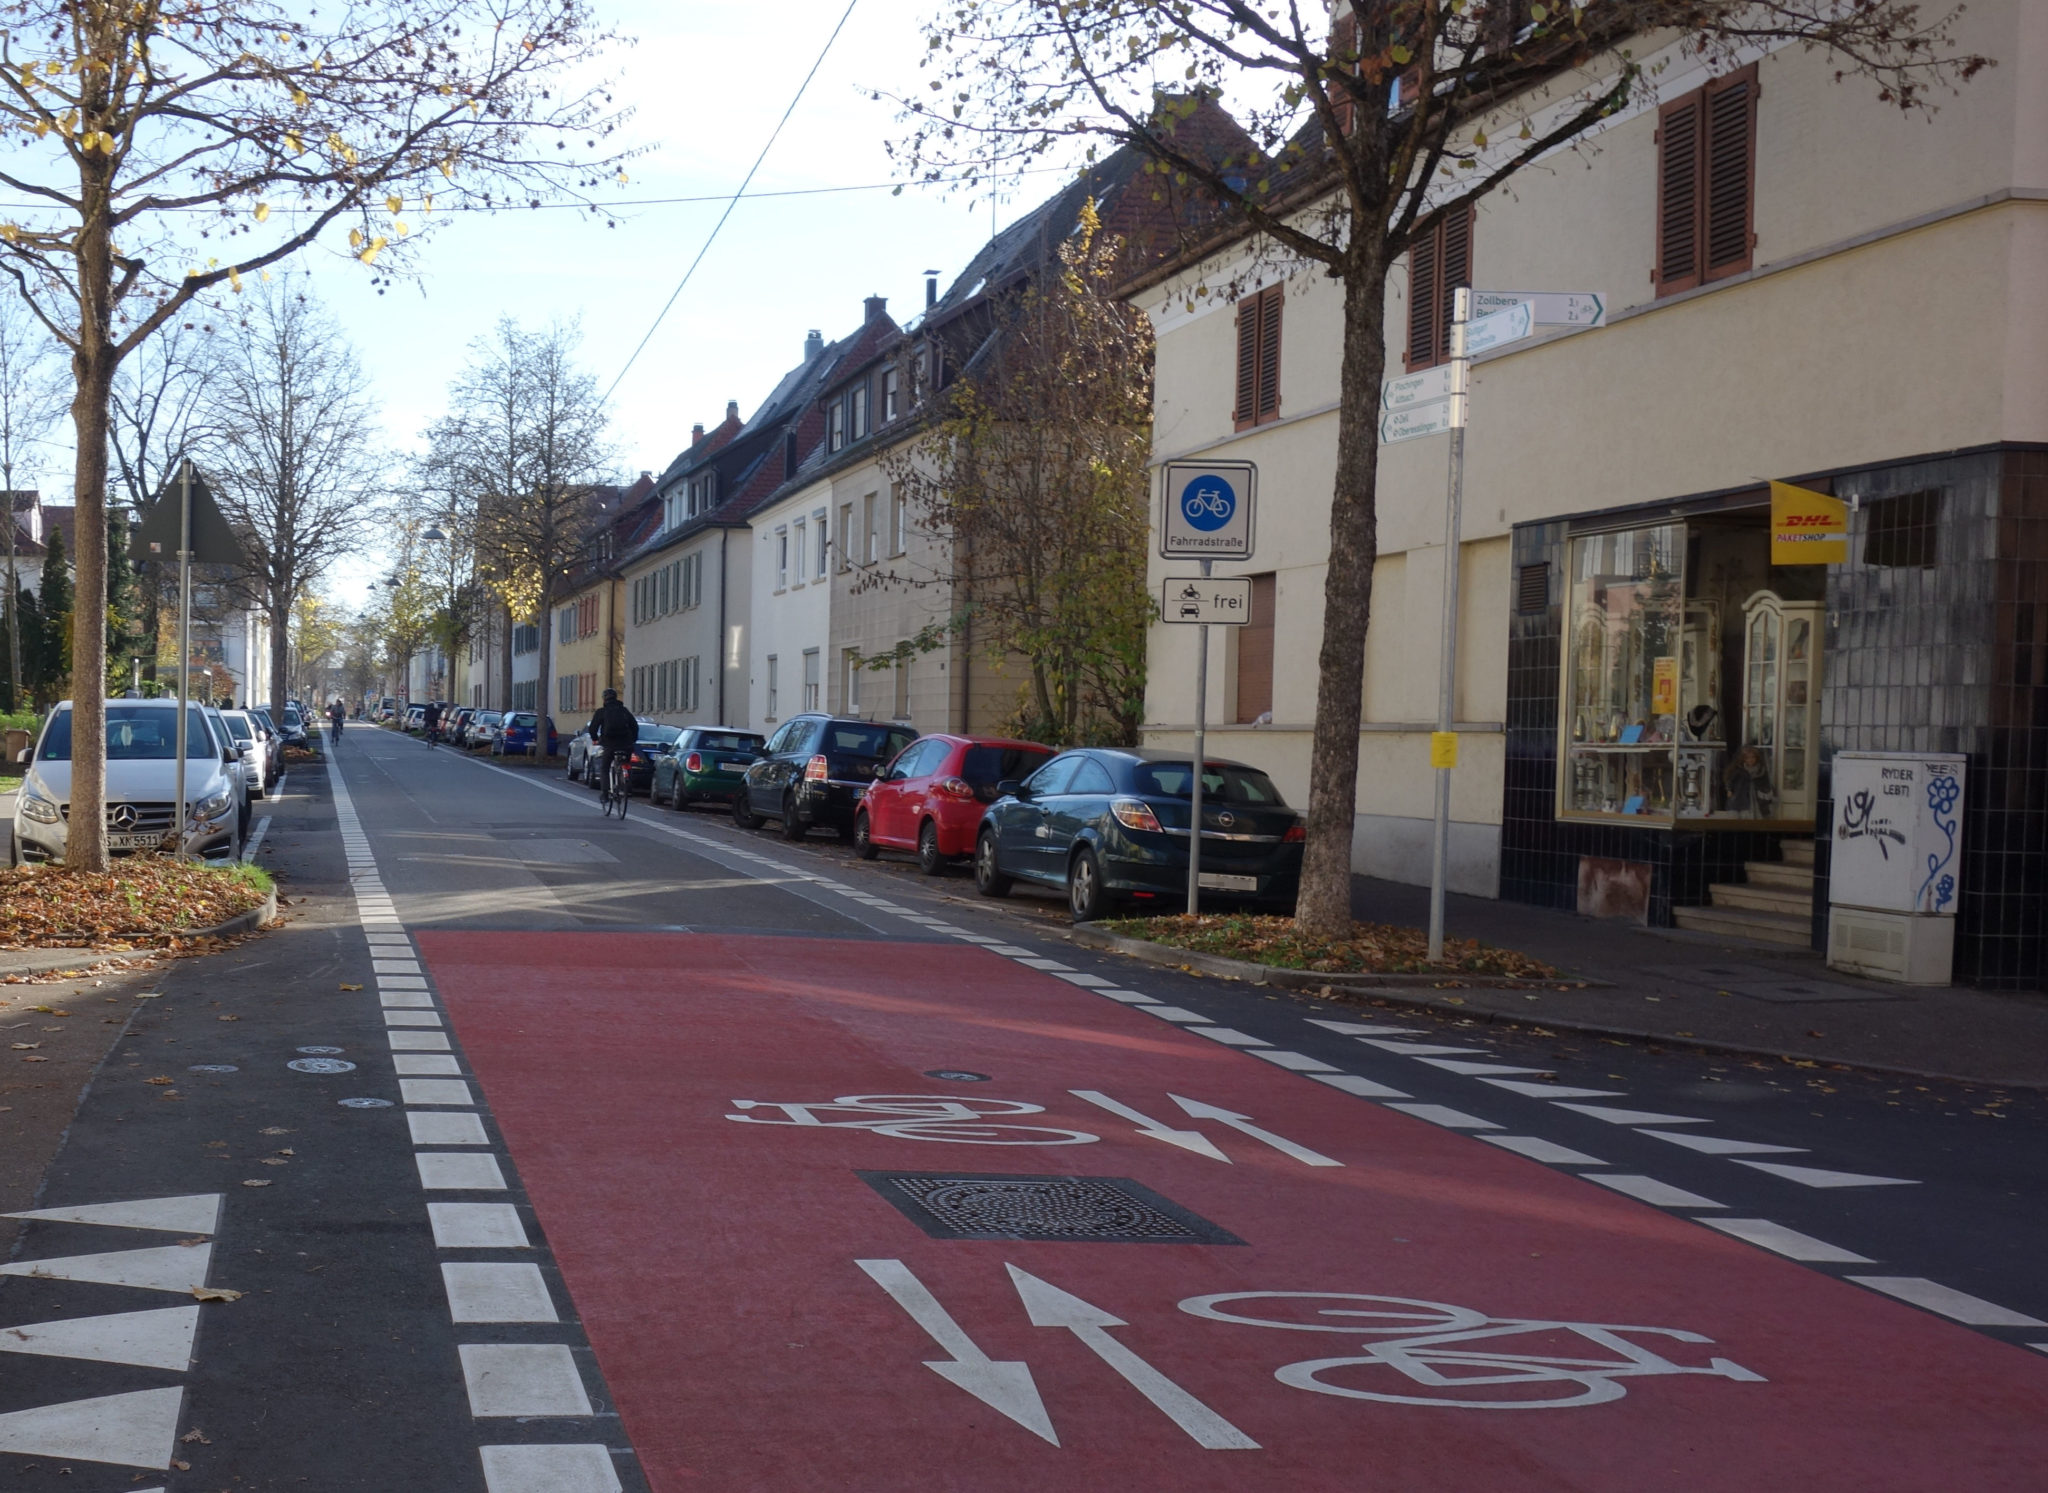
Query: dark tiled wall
point(1948, 656)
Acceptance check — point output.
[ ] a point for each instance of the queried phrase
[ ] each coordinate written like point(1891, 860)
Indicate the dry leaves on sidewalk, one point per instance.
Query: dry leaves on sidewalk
point(1373, 948)
point(143, 897)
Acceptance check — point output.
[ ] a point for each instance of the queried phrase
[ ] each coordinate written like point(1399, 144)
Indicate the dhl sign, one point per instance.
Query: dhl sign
point(1807, 527)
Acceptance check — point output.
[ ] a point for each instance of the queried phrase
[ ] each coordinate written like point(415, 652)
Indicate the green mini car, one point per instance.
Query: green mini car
point(706, 764)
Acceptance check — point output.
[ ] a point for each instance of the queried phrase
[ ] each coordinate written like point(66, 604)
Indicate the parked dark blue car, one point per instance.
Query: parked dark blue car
point(515, 735)
point(1111, 826)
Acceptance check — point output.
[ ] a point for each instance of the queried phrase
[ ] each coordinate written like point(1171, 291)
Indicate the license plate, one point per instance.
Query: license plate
point(734, 766)
point(1217, 882)
point(132, 842)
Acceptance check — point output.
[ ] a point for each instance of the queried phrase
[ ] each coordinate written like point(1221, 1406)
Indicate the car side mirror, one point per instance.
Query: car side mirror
point(1011, 788)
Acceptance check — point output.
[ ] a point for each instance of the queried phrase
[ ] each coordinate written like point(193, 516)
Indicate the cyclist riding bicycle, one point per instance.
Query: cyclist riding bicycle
point(430, 723)
point(615, 731)
point(336, 713)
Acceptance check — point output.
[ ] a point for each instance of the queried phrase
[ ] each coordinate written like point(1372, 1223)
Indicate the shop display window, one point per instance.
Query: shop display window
point(1623, 677)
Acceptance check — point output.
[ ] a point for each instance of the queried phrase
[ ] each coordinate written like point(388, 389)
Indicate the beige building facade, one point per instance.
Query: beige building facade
point(1875, 326)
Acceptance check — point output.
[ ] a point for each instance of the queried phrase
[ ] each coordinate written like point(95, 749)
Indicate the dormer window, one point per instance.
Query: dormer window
point(892, 394)
point(835, 438)
point(857, 411)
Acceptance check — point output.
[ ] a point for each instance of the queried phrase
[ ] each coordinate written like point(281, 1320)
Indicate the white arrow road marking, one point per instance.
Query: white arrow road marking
point(195, 1213)
point(160, 1339)
point(172, 1268)
point(1003, 1387)
point(1187, 1140)
point(1048, 1306)
point(130, 1430)
point(1302, 1154)
point(1813, 1176)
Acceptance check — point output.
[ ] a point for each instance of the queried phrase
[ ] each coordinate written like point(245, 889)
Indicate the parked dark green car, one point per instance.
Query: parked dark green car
point(705, 764)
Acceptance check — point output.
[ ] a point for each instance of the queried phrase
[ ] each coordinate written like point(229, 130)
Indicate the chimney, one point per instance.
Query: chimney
point(931, 289)
point(732, 409)
point(697, 432)
point(873, 307)
point(813, 344)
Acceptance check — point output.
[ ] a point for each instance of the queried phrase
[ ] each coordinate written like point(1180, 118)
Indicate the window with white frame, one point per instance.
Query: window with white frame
point(773, 670)
point(818, 523)
point(857, 411)
point(892, 394)
point(850, 672)
point(802, 535)
point(846, 548)
point(810, 679)
point(870, 539)
point(899, 523)
point(692, 685)
point(835, 430)
point(781, 558)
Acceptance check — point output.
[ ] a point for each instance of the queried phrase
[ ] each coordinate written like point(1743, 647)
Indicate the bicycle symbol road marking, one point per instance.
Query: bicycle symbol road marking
point(1421, 1339)
point(961, 1120)
point(1208, 503)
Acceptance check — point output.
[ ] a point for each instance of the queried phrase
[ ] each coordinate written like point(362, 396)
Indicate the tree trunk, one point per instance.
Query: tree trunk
point(86, 833)
point(541, 702)
point(1324, 907)
point(505, 625)
point(280, 615)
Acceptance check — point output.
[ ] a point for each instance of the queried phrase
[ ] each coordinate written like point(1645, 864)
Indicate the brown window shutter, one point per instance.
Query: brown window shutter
point(1245, 411)
point(1456, 258)
point(1730, 175)
point(1269, 353)
point(1424, 293)
point(1255, 654)
point(1678, 195)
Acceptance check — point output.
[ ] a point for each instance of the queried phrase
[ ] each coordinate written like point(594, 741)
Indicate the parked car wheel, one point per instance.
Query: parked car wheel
point(988, 880)
point(929, 860)
point(863, 843)
point(676, 798)
point(793, 828)
point(1087, 899)
point(743, 811)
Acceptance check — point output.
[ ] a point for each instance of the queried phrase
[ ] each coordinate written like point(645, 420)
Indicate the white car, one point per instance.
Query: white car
point(250, 743)
point(141, 784)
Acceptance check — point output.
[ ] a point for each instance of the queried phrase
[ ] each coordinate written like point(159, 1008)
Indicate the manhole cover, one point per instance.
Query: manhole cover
point(213, 1068)
point(364, 1103)
point(1098, 1210)
point(956, 1075)
point(320, 1065)
point(322, 1051)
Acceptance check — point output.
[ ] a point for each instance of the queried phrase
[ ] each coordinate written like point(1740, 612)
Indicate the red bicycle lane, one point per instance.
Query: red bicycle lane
point(758, 1196)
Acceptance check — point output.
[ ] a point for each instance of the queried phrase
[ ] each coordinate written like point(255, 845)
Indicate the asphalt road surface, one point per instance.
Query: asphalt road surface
point(550, 1154)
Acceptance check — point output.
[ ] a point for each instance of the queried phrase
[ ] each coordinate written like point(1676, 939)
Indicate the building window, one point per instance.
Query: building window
point(849, 673)
point(1255, 656)
point(781, 558)
point(810, 679)
point(565, 631)
point(870, 540)
point(902, 681)
point(1622, 687)
point(857, 411)
point(892, 394)
point(1706, 183)
point(818, 522)
point(1439, 266)
point(899, 523)
point(801, 572)
point(1901, 531)
point(835, 434)
point(789, 455)
point(693, 682)
point(773, 670)
point(665, 591)
point(1258, 358)
point(846, 550)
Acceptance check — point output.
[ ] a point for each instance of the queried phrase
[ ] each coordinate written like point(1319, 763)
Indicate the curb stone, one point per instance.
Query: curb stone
point(44, 961)
point(1407, 990)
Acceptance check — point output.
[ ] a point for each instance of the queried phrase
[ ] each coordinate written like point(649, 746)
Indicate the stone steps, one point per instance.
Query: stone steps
point(1777, 873)
point(1789, 902)
point(1758, 927)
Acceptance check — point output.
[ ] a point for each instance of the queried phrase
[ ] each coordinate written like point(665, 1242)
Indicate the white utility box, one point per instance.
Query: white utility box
point(1895, 864)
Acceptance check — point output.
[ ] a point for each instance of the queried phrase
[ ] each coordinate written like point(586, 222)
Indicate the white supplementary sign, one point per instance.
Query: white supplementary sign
point(1509, 324)
point(1212, 600)
point(1548, 308)
point(1209, 510)
point(1898, 832)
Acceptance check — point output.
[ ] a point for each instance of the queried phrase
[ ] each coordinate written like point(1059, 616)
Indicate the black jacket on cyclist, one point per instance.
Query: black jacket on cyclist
point(431, 717)
point(614, 727)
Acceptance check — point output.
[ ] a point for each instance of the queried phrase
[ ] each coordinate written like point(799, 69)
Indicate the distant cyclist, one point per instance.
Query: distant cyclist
point(336, 714)
point(430, 722)
point(616, 731)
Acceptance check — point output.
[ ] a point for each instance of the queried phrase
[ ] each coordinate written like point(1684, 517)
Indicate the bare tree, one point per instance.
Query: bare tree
point(31, 403)
point(294, 453)
point(521, 454)
point(172, 146)
point(1370, 119)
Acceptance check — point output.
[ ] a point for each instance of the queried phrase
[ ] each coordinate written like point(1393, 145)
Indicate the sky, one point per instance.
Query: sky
point(708, 79)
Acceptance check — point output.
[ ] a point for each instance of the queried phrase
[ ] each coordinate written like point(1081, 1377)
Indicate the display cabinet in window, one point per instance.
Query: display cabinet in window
point(1624, 681)
point(1770, 774)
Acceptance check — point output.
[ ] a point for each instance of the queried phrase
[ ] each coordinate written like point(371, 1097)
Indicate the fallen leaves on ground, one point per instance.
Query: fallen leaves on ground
point(1373, 948)
point(215, 1293)
point(145, 897)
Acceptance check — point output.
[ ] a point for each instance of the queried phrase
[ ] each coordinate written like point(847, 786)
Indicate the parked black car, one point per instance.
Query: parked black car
point(1112, 826)
point(815, 770)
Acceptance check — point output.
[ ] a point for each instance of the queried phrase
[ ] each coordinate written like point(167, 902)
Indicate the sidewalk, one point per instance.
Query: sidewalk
point(1670, 985)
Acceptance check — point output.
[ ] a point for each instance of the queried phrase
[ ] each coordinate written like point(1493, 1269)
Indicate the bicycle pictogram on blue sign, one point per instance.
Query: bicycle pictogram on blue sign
point(1208, 502)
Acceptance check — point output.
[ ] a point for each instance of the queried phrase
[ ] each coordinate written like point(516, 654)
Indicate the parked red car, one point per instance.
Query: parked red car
point(930, 798)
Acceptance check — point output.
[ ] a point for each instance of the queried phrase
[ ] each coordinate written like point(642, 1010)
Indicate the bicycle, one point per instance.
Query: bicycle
point(613, 792)
point(334, 731)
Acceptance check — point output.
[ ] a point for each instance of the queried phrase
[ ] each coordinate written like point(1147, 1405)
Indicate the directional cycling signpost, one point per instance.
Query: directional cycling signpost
point(1434, 402)
point(1209, 514)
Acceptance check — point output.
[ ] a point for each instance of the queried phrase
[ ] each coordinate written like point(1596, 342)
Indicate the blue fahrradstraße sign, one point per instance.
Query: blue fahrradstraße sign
point(1208, 510)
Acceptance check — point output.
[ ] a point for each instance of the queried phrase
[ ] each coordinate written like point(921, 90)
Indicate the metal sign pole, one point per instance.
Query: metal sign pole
point(1447, 680)
point(180, 726)
point(1195, 785)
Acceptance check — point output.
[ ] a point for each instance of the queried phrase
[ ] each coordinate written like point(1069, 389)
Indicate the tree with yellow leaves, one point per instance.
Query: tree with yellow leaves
point(172, 147)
